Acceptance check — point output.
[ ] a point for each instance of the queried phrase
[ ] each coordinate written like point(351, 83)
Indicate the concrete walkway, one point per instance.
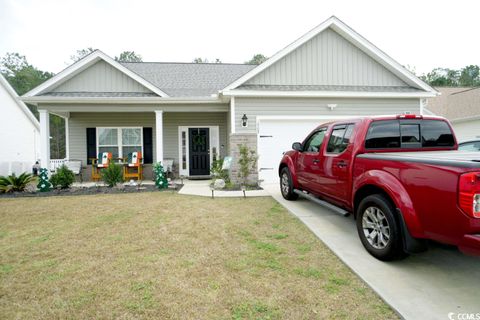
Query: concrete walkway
point(202, 188)
point(430, 285)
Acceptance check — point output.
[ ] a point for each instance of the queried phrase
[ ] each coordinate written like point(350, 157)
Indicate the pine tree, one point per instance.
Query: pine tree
point(43, 184)
point(160, 178)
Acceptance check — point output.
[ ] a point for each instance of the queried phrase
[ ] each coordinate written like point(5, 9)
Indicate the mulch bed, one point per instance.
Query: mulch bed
point(81, 191)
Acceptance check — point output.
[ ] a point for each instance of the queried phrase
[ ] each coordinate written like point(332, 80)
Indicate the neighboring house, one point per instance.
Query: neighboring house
point(20, 138)
point(194, 113)
point(462, 107)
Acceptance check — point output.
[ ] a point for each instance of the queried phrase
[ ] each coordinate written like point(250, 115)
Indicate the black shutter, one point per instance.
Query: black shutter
point(91, 144)
point(147, 145)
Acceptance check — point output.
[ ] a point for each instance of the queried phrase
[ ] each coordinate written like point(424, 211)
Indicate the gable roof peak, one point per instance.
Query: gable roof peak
point(353, 37)
point(84, 63)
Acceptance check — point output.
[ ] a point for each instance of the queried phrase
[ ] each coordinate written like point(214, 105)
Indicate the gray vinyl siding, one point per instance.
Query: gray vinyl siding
point(327, 59)
point(172, 120)
point(79, 122)
point(101, 77)
point(253, 107)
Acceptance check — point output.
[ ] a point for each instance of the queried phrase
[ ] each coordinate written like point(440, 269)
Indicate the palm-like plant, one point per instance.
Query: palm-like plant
point(13, 183)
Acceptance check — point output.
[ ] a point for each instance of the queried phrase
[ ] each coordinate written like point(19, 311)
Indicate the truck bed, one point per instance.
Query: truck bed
point(442, 158)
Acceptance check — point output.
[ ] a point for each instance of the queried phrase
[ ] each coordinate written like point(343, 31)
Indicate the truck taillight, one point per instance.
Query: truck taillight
point(469, 194)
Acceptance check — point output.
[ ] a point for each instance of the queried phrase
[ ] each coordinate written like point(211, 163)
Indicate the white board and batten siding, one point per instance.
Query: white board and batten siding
point(101, 77)
point(20, 137)
point(327, 59)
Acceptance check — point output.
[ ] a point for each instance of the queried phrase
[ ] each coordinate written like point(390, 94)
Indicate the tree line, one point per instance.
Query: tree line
point(23, 77)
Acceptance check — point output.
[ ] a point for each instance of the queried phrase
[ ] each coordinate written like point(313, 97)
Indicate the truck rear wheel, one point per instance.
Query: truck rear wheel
point(286, 185)
point(378, 229)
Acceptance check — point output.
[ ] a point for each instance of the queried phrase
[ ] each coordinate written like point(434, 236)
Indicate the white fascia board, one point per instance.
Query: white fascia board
point(327, 94)
point(122, 100)
point(19, 102)
point(349, 34)
point(83, 64)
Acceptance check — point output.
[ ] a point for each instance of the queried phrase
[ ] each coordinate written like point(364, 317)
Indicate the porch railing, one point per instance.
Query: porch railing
point(56, 163)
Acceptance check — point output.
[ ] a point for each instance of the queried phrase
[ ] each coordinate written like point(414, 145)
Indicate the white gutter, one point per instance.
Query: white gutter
point(122, 100)
point(327, 94)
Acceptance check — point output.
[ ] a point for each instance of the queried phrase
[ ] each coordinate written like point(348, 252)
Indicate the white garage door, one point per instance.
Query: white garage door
point(276, 137)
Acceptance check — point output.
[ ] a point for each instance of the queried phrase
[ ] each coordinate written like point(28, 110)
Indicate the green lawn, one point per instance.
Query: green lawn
point(163, 255)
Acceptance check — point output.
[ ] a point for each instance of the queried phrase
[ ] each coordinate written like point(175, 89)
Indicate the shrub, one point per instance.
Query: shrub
point(112, 175)
point(217, 171)
point(12, 183)
point(63, 178)
point(247, 162)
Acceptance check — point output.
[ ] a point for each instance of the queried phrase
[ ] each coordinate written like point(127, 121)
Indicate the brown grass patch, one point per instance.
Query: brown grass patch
point(163, 255)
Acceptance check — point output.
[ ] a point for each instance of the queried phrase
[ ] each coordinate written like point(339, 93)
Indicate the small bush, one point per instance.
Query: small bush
point(63, 178)
point(247, 162)
point(12, 183)
point(112, 175)
point(217, 171)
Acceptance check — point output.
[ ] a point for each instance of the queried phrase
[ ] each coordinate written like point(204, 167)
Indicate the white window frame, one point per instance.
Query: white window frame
point(119, 140)
point(214, 142)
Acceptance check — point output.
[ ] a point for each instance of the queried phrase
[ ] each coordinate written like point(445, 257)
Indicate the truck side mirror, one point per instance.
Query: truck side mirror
point(297, 146)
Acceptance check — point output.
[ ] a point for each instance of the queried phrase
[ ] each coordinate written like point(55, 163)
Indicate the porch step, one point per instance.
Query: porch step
point(199, 177)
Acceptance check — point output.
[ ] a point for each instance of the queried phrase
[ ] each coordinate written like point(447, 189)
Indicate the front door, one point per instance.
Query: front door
point(199, 151)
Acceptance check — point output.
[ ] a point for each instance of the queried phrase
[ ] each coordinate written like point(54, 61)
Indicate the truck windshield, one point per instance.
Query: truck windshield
point(388, 134)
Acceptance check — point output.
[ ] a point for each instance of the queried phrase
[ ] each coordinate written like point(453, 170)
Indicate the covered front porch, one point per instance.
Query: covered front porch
point(187, 139)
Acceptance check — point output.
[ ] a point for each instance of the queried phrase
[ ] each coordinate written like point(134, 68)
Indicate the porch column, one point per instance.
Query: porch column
point(159, 134)
point(44, 139)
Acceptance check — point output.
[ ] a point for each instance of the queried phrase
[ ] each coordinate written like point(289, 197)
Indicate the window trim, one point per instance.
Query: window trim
point(119, 144)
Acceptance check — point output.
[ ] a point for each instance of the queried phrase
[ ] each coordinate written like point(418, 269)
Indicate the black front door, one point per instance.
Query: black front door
point(199, 150)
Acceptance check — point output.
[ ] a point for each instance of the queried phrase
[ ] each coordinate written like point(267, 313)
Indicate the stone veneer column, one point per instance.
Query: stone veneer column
point(237, 139)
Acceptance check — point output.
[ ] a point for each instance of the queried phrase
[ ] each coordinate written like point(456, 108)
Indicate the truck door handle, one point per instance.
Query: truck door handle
point(316, 161)
point(342, 164)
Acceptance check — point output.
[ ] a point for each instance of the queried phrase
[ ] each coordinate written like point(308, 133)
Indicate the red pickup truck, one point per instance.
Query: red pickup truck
point(402, 177)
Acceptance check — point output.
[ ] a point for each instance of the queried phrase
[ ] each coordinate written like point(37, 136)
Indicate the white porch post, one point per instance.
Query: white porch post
point(159, 134)
point(44, 139)
point(67, 138)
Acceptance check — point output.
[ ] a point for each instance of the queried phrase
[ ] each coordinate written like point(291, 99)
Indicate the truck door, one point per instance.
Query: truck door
point(338, 161)
point(309, 164)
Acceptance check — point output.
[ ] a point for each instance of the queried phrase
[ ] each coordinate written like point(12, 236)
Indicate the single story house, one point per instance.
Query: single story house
point(194, 113)
point(20, 138)
point(462, 107)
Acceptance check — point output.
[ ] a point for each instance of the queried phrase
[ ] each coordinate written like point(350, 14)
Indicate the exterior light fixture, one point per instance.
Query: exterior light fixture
point(331, 106)
point(244, 121)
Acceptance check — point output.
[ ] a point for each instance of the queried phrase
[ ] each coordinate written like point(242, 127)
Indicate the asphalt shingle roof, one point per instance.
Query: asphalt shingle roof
point(189, 79)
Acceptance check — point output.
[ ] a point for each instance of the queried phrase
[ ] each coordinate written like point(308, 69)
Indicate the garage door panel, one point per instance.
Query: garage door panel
point(275, 137)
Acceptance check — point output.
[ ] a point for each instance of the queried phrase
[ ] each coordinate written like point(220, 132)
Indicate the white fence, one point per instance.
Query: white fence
point(56, 163)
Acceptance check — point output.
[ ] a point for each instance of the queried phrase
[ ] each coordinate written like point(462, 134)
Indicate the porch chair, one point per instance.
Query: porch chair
point(102, 162)
point(76, 167)
point(133, 166)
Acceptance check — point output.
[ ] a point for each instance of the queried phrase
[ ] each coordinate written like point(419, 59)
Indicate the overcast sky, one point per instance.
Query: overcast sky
point(421, 34)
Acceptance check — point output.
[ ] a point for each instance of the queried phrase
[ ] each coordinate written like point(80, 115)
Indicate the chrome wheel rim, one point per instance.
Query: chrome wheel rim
point(376, 228)
point(284, 184)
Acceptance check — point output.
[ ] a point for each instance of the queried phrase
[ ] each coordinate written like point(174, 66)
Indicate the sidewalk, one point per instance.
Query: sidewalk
point(202, 188)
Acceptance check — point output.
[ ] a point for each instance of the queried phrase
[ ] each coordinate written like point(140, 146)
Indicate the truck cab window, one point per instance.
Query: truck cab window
point(315, 141)
point(340, 138)
point(436, 133)
point(383, 135)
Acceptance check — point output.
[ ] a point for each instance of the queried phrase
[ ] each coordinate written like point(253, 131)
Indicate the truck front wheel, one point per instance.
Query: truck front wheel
point(378, 229)
point(286, 185)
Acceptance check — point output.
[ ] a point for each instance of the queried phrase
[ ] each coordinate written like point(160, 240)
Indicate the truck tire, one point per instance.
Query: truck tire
point(286, 185)
point(378, 228)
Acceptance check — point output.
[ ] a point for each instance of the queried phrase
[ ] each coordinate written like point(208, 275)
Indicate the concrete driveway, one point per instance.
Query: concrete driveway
point(441, 283)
